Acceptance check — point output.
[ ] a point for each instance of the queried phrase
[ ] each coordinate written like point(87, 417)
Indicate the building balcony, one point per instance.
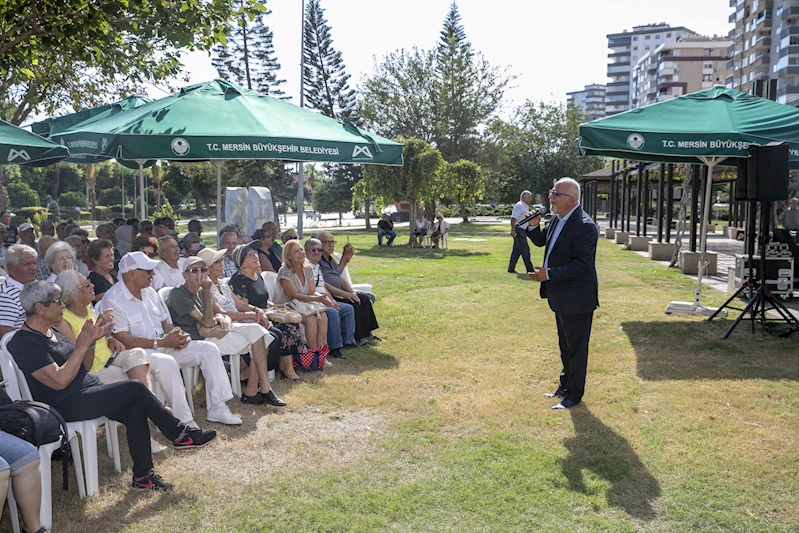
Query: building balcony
point(788, 90)
point(731, 18)
point(790, 70)
point(791, 50)
point(760, 61)
point(762, 23)
point(790, 12)
point(762, 45)
point(619, 53)
point(616, 42)
point(732, 3)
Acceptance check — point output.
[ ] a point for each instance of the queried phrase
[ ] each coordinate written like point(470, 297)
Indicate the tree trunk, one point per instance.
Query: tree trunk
point(412, 214)
point(91, 183)
point(366, 206)
point(56, 183)
point(2, 186)
point(340, 218)
point(464, 213)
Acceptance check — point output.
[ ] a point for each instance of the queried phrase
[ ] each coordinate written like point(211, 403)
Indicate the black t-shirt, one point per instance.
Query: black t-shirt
point(101, 283)
point(33, 351)
point(385, 224)
point(273, 259)
point(11, 236)
point(253, 290)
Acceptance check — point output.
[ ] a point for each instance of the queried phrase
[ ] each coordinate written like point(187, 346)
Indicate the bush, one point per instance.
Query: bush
point(20, 194)
point(30, 213)
point(53, 211)
point(110, 196)
point(85, 216)
point(72, 199)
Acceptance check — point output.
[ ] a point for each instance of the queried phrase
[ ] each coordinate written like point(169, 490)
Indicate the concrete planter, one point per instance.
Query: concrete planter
point(639, 244)
point(621, 237)
point(689, 262)
point(661, 251)
point(610, 233)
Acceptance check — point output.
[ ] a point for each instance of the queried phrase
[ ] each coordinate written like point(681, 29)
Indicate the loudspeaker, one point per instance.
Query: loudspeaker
point(741, 179)
point(767, 172)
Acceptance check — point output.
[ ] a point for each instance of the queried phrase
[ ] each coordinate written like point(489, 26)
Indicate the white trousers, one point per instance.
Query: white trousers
point(241, 337)
point(205, 355)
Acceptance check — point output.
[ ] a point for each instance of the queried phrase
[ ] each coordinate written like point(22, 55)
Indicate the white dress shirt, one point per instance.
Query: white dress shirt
point(141, 318)
point(172, 276)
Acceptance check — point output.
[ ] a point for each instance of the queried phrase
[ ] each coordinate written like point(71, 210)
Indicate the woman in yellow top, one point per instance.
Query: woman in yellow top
point(108, 360)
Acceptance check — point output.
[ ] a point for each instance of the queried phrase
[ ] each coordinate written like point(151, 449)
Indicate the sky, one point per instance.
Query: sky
point(552, 47)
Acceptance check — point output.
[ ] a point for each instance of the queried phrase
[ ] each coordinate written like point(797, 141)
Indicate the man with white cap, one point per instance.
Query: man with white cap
point(192, 306)
point(141, 320)
point(27, 236)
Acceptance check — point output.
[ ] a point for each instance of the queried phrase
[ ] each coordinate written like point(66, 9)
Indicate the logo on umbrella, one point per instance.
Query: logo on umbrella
point(635, 141)
point(13, 154)
point(358, 150)
point(180, 146)
point(105, 144)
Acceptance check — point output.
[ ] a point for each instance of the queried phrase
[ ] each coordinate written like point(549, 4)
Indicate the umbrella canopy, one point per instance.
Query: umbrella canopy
point(715, 123)
point(21, 147)
point(712, 127)
point(53, 126)
point(220, 120)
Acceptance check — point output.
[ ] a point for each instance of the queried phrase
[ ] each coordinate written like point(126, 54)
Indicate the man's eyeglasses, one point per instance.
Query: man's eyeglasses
point(84, 241)
point(148, 272)
point(196, 270)
point(152, 255)
point(315, 250)
point(553, 192)
point(57, 302)
point(328, 242)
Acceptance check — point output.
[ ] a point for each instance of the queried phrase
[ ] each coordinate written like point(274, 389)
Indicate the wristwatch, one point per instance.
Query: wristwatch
point(155, 344)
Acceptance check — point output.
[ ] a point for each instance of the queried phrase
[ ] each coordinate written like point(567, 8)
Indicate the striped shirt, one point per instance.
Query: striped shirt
point(11, 313)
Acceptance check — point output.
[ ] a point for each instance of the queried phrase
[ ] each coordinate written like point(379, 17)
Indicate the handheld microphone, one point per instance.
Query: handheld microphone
point(538, 210)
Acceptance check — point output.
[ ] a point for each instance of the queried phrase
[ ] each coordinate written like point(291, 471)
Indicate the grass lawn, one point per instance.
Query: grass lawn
point(443, 427)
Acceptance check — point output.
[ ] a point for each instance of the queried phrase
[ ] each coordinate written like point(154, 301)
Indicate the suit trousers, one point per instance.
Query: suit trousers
point(574, 332)
point(520, 249)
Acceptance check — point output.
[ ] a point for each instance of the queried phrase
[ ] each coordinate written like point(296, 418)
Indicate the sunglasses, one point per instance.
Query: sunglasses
point(152, 255)
point(553, 192)
point(196, 270)
point(292, 238)
point(315, 250)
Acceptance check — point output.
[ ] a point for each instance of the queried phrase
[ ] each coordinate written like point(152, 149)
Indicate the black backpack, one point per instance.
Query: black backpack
point(37, 423)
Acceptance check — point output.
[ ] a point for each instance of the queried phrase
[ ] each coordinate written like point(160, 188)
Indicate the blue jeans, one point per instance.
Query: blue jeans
point(15, 452)
point(391, 236)
point(339, 335)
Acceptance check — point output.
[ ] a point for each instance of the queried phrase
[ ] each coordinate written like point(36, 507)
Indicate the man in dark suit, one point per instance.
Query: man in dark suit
point(569, 283)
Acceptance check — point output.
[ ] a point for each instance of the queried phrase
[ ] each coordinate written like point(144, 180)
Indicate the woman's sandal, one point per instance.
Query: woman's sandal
point(283, 375)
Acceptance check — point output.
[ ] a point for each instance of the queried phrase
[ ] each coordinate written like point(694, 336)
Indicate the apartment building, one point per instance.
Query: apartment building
point(674, 69)
point(591, 100)
point(626, 49)
point(765, 51)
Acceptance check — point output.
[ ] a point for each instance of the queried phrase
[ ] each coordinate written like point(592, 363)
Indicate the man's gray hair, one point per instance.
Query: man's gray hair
point(228, 234)
point(69, 281)
point(312, 242)
point(521, 196)
point(15, 253)
point(37, 292)
point(316, 234)
point(60, 246)
point(574, 184)
point(163, 238)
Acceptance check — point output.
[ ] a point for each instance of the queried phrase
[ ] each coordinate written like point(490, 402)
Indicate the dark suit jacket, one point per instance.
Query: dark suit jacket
point(572, 288)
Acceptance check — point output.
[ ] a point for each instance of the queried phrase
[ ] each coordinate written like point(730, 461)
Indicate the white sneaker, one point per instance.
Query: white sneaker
point(222, 415)
point(155, 446)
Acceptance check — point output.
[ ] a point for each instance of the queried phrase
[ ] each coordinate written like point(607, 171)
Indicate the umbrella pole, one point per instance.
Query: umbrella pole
point(218, 164)
point(300, 199)
point(143, 210)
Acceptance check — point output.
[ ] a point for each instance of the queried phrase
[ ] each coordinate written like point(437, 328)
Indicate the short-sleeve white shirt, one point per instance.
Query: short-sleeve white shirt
point(519, 210)
point(172, 276)
point(141, 318)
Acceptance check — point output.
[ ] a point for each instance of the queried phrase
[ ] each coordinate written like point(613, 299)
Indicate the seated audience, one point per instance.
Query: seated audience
point(3, 233)
point(289, 235)
point(146, 228)
point(59, 257)
point(21, 265)
point(27, 235)
point(141, 320)
point(385, 227)
point(149, 247)
point(42, 270)
point(124, 239)
point(269, 261)
point(79, 249)
point(54, 369)
point(46, 228)
point(169, 252)
point(341, 291)
point(440, 230)
point(191, 245)
point(228, 242)
point(101, 254)
point(159, 230)
point(340, 317)
point(192, 306)
point(108, 232)
point(295, 281)
point(271, 227)
point(248, 285)
point(61, 230)
point(19, 465)
point(420, 228)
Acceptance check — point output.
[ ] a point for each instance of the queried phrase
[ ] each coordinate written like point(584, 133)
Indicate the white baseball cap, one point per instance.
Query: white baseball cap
point(25, 226)
point(186, 262)
point(136, 261)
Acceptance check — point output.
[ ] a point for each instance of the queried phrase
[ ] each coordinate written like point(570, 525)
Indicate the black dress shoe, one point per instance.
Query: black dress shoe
point(349, 346)
point(272, 399)
point(255, 399)
point(336, 354)
point(375, 338)
point(560, 393)
point(565, 403)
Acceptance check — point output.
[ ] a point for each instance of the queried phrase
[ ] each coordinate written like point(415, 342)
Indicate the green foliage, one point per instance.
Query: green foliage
point(166, 211)
point(59, 54)
point(110, 196)
point(332, 196)
point(53, 211)
point(326, 82)
point(200, 178)
point(463, 180)
point(35, 215)
point(248, 55)
point(412, 181)
point(20, 194)
point(72, 199)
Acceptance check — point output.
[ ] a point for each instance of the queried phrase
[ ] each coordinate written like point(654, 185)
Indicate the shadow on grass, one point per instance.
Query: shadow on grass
point(694, 350)
point(599, 449)
point(359, 360)
point(417, 253)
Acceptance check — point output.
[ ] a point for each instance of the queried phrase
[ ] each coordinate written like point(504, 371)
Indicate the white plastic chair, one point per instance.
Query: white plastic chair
point(12, 509)
point(12, 376)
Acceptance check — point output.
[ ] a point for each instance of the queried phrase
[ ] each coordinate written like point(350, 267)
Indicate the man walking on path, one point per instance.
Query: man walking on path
point(520, 246)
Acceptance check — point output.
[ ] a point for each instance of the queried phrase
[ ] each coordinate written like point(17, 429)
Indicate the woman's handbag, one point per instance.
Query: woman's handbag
point(283, 315)
point(307, 308)
point(221, 327)
point(313, 359)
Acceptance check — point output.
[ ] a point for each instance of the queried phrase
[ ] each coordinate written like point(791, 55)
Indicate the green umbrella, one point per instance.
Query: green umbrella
point(221, 121)
point(21, 147)
point(713, 127)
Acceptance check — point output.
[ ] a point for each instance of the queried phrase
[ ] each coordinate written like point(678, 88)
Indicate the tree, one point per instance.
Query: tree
point(326, 82)
point(463, 181)
point(396, 101)
point(332, 196)
point(57, 53)
point(200, 178)
point(467, 91)
point(20, 194)
point(72, 199)
point(248, 55)
point(421, 167)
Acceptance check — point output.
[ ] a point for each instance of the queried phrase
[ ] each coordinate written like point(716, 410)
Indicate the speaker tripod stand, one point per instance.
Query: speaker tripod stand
point(761, 300)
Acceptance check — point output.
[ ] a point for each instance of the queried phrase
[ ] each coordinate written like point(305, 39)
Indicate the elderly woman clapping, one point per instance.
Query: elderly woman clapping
point(59, 257)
